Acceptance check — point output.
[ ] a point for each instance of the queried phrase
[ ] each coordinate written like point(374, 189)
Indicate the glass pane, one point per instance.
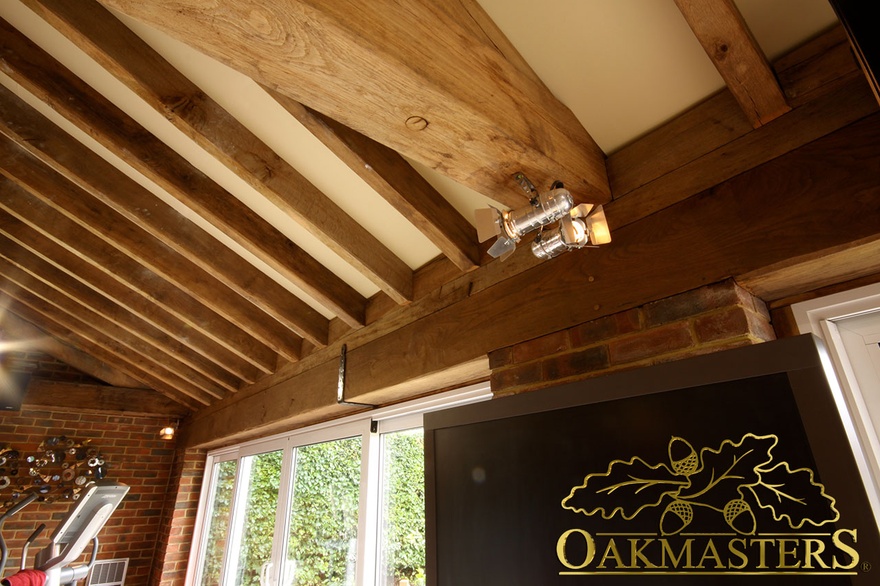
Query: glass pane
point(254, 525)
point(402, 535)
point(322, 546)
point(218, 522)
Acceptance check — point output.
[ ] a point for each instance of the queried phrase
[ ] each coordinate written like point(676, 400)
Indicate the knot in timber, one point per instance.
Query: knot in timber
point(416, 123)
point(186, 107)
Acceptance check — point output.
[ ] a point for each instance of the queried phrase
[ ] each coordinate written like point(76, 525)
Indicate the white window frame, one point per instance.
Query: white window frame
point(826, 318)
point(407, 415)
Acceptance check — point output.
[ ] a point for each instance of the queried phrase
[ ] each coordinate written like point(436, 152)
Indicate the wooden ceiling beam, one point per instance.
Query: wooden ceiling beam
point(827, 93)
point(652, 258)
point(30, 337)
point(28, 207)
point(57, 86)
point(94, 252)
point(78, 334)
point(94, 398)
point(789, 278)
point(104, 38)
point(101, 221)
point(66, 286)
point(64, 308)
point(729, 43)
point(141, 306)
point(392, 177)
point(459, 105)
point(70, 158)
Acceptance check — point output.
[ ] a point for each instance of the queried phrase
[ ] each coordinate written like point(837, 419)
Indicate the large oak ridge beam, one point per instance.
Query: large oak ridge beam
point(458, 105)
point(31, 338)
point(720, 28)
point(57, 86)
point(104, 38)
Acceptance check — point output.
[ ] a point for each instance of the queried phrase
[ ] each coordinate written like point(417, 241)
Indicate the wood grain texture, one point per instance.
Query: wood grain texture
point(69, 330)
point(397, 182)
point(64, 308)
point(18, 234)
point(88, 398)
point(645, 184)
point(146, 73)
point(728, 42)
point(294, 403)
point(815, 68)
point(486, 118)
point(87, 109)
point(65, 286)
point(713, 236)
point(13, 328)
point(56, 149)
point(787, 278)
point(89, 250)
point(79, 207)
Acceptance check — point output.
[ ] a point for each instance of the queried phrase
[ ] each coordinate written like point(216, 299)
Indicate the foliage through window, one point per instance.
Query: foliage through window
point(337, 505)
point(402, 540)
point(323, 531)
point(218, 526)
point(253, 541)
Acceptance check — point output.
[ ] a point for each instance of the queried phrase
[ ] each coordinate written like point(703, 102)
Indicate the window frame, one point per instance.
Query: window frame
point(825, 317)
point(369, 425)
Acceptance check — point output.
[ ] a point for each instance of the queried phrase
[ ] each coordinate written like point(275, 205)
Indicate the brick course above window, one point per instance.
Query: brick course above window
point(708, 319)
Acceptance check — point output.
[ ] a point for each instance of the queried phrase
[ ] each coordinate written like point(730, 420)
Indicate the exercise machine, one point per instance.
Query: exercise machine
point(81, 525)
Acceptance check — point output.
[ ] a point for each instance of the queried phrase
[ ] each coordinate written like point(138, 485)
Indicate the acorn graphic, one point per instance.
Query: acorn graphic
point(738, 514)
point(676, 516)
point(682, 456)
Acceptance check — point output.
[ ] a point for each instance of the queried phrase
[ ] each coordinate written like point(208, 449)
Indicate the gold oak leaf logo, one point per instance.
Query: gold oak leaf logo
point(732, 480)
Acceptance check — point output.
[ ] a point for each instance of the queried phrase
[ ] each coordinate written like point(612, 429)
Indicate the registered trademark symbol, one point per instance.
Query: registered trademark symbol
point(866, 566)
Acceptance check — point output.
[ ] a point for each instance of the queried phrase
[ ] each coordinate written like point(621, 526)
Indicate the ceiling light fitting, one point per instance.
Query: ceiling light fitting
point(577, 226)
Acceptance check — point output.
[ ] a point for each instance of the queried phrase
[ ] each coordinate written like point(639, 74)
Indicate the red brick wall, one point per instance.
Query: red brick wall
point(134, 455)
point(178, 520)
point(709, 319)
point(41, 365)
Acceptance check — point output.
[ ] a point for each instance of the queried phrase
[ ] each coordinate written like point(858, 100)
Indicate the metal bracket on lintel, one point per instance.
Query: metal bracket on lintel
point(340, 385)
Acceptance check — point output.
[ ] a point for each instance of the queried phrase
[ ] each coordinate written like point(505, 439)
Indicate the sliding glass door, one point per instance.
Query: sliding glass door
point(322, 540)
point(338, 505)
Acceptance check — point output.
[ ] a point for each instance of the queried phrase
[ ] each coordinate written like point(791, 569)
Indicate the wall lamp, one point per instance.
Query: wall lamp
point(167, 432)
point(577, 226)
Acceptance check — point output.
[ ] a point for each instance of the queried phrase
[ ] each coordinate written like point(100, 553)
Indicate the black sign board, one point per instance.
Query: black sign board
point(713, 470)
